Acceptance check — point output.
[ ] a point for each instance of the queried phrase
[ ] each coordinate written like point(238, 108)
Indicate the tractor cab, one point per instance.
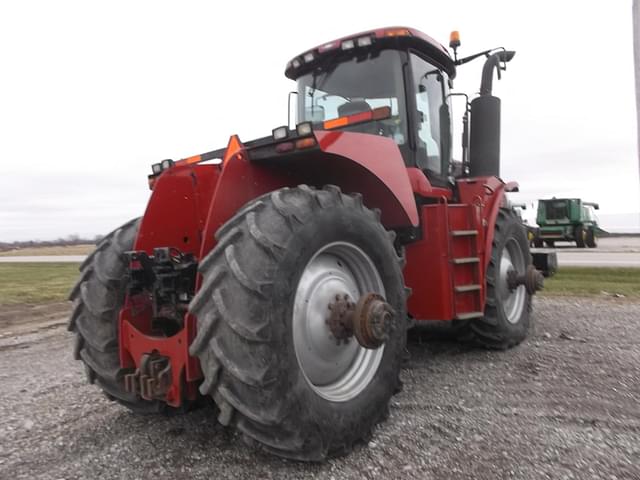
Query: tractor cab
point(392, 82)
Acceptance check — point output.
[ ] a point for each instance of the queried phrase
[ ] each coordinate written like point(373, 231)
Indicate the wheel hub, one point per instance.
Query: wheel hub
point(532, 280)
point(325, 319)
point(371, 320)
point(340, 320)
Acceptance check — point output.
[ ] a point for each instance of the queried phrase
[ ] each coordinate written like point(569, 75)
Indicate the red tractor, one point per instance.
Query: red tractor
point(281, 280)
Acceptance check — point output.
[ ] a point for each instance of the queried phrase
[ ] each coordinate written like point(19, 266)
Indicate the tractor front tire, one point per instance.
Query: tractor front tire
point(98, 296)
point(581, 236)
point(507, 315)
point(550, 243)
point(267, 354)
point(590, 238)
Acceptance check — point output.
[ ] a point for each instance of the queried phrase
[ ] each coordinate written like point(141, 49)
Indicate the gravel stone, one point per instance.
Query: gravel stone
point(546, 409)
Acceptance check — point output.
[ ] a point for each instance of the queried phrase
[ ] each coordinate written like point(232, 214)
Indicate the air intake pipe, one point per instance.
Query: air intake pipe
point(484, 143)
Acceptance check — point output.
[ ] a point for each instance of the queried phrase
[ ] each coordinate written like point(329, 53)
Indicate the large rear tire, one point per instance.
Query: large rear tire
point(98, 296)
point(267, 356)
point(506, 321)
point(590, 238)
point(581, 236)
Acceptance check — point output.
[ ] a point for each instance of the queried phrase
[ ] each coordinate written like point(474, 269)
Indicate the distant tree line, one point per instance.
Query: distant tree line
point(59, 242)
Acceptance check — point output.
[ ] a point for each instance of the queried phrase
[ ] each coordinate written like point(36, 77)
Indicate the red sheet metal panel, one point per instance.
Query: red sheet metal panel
point(487, 195)
point(177, 210)
point(428, 272)
point(381, 157)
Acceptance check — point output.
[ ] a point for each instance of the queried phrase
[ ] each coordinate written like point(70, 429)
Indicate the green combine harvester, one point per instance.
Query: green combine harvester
point(566, 219)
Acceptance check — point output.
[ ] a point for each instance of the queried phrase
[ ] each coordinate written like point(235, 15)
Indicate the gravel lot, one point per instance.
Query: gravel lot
point(566, 404)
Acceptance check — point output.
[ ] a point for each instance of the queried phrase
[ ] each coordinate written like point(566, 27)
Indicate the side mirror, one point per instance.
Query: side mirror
point(291, 104)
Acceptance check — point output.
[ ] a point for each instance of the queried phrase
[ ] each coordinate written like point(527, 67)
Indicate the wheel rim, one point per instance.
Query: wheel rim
point(335, 372)
point(513, 300)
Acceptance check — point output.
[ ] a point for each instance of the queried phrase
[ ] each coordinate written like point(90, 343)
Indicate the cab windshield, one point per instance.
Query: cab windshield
point(353, 86)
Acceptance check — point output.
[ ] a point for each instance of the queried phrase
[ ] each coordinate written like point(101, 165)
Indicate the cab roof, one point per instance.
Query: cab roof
point(389, 37)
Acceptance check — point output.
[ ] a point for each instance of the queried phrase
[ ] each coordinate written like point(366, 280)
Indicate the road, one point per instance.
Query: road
point(598, 259)
point(564, 404)
point(611, 252)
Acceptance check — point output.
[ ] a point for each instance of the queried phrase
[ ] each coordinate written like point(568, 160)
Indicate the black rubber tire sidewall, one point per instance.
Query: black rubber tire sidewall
point(580, 236)
point(341, 420)
point(591, 240)
point(511, 333)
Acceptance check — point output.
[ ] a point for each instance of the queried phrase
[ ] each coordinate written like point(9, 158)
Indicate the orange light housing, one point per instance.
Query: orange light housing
point(336, 123)
point(306, 143)
point(379, 113)
point(454, 39)
point(397, 32)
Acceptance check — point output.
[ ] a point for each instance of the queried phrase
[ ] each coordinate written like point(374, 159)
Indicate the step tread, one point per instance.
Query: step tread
point(461, 260)
point(469, 315)
point(472, 287)
point(464, 233)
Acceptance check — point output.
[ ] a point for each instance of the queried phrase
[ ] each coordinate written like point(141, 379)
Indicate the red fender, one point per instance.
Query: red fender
point(488, 194)
point(380, 157)
point(372, 166)
point(191, 201)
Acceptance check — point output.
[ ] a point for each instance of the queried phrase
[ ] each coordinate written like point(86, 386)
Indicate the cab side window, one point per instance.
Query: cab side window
point(432, 134)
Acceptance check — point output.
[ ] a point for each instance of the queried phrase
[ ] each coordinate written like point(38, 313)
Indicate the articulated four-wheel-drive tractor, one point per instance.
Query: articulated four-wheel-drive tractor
point(282, 279)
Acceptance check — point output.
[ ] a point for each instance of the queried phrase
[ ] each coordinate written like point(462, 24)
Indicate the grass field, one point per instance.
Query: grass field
point(36, 282)
point(69, 250)
point(591, 281)
point(51, 282)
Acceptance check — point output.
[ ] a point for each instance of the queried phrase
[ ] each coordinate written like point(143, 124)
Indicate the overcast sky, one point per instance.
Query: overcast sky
point(92, 94)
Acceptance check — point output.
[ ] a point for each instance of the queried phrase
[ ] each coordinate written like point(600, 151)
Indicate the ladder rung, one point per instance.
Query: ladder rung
point(469, 315)
point(463, 233)
point(461, 260)
point(467, 288)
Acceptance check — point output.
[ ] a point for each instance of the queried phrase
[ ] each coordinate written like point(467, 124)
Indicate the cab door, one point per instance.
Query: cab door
point(432, 120)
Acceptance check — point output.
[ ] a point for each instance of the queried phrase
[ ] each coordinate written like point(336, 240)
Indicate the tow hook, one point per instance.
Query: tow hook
point(532, 279)
point(371, 320)
point(152, 380)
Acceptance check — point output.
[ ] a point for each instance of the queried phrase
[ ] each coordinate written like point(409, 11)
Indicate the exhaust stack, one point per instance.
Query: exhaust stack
point(484, 147)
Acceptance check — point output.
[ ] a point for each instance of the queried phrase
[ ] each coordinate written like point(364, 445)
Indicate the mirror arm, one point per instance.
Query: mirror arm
point(464, 60)
point(465, 131)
